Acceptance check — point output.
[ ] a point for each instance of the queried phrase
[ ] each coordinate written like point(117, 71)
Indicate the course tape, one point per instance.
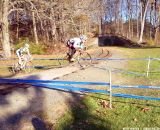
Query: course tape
point(143, 87)
point(89, 59)
point(5, 80)
point(100, 59)
point(70, 88)
point(53, 82)
point(120, 70)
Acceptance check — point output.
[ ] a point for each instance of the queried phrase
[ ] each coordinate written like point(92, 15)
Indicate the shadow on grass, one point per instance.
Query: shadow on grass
point(83, 117)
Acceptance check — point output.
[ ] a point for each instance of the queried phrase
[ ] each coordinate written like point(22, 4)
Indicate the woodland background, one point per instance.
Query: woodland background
point(49, 23)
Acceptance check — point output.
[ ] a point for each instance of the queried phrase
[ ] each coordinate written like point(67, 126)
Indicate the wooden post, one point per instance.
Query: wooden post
point(110, 89)
point(148, 66)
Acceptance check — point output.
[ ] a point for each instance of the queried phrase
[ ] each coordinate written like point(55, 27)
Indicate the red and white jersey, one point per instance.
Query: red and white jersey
point(76, 43)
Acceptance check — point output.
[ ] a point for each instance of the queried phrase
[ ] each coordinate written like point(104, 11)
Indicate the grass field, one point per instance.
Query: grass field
point(90, 114)
point(92, 111)
point(140, 66)
point(39, 65)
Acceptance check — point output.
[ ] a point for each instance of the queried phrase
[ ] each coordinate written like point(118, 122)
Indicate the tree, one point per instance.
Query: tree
point(5, 29)
point(143, 18)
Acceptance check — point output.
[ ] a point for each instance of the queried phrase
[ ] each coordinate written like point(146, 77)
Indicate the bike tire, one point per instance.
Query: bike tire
point(29, 67)
point(63, 61)
point(15, 68)
point(84, 59)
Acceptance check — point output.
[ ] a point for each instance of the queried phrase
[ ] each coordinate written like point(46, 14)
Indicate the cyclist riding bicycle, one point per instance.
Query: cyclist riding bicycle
point(20, 54)
point(75, 44)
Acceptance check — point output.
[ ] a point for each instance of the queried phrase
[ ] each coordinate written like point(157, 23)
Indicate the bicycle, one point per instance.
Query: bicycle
point(81, 57)
point(27, 65)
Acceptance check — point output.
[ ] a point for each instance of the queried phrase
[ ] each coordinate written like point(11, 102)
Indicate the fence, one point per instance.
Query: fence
point(54, 84)
point(68, 86)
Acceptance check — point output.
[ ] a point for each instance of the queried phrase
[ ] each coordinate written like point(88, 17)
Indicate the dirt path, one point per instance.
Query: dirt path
point(24, 107)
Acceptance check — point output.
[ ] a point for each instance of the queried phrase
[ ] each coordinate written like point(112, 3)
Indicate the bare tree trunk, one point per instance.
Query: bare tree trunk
point(132, 29)
point(157, 23)
point(137, 13)
point(122, 28)
point(47, 36)
point(17, 30)
point(101, 18)
point(138, 26)
point(150, 21)
point(142, 23)
point(53, 26)
point(129, 18)
point(156, 36)
point(35, 28)
point(100, 26)
point(129, 26)
point(118, 15)
point(5, 29)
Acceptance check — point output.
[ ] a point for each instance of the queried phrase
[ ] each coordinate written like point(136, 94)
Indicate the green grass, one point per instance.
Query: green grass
point(126, 113)
point(40, 65)
point(141, 66)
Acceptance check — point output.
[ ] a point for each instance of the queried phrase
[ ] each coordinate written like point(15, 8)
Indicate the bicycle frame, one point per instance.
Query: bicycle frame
point(22, 67)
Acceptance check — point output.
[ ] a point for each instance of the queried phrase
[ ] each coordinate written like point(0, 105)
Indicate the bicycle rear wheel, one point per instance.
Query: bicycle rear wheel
point(63, 61)
point(15, 68)
point(84, 59)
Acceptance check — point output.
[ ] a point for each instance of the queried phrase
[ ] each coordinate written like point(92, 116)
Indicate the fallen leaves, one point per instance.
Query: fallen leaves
point(145, 109)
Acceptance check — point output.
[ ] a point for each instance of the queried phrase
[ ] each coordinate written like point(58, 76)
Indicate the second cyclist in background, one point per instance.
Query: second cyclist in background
point(75, 44)
point(21, 52)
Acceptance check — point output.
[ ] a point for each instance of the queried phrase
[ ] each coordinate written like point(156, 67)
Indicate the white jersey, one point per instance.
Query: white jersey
point(76, 43)
point(22, 50)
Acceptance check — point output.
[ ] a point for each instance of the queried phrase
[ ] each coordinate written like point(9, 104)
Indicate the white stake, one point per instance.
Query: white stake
point(110, 89)
point(148, 66)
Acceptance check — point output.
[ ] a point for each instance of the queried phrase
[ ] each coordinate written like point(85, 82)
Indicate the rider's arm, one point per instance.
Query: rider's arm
point(18, 53)
point(28, 52)
point(83, 47)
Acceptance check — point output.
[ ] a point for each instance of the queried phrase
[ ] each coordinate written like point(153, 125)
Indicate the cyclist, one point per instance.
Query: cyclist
point(20, 54)
point(75, 44)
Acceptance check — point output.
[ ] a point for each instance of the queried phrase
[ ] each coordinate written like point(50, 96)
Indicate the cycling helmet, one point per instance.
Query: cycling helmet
point(26, 45)
point(83, 37)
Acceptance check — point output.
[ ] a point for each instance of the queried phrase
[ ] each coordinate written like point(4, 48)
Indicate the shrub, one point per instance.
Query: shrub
point(150, 42)
point(37, 49)
point(34, 49)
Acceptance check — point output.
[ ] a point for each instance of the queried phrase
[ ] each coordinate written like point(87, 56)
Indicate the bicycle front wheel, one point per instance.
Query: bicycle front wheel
point(84, 59)
point(29, 67)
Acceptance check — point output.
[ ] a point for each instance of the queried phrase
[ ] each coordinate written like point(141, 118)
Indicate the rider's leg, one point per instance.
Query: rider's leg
point(20, 62)
point(25, 60)
point(71, 53)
